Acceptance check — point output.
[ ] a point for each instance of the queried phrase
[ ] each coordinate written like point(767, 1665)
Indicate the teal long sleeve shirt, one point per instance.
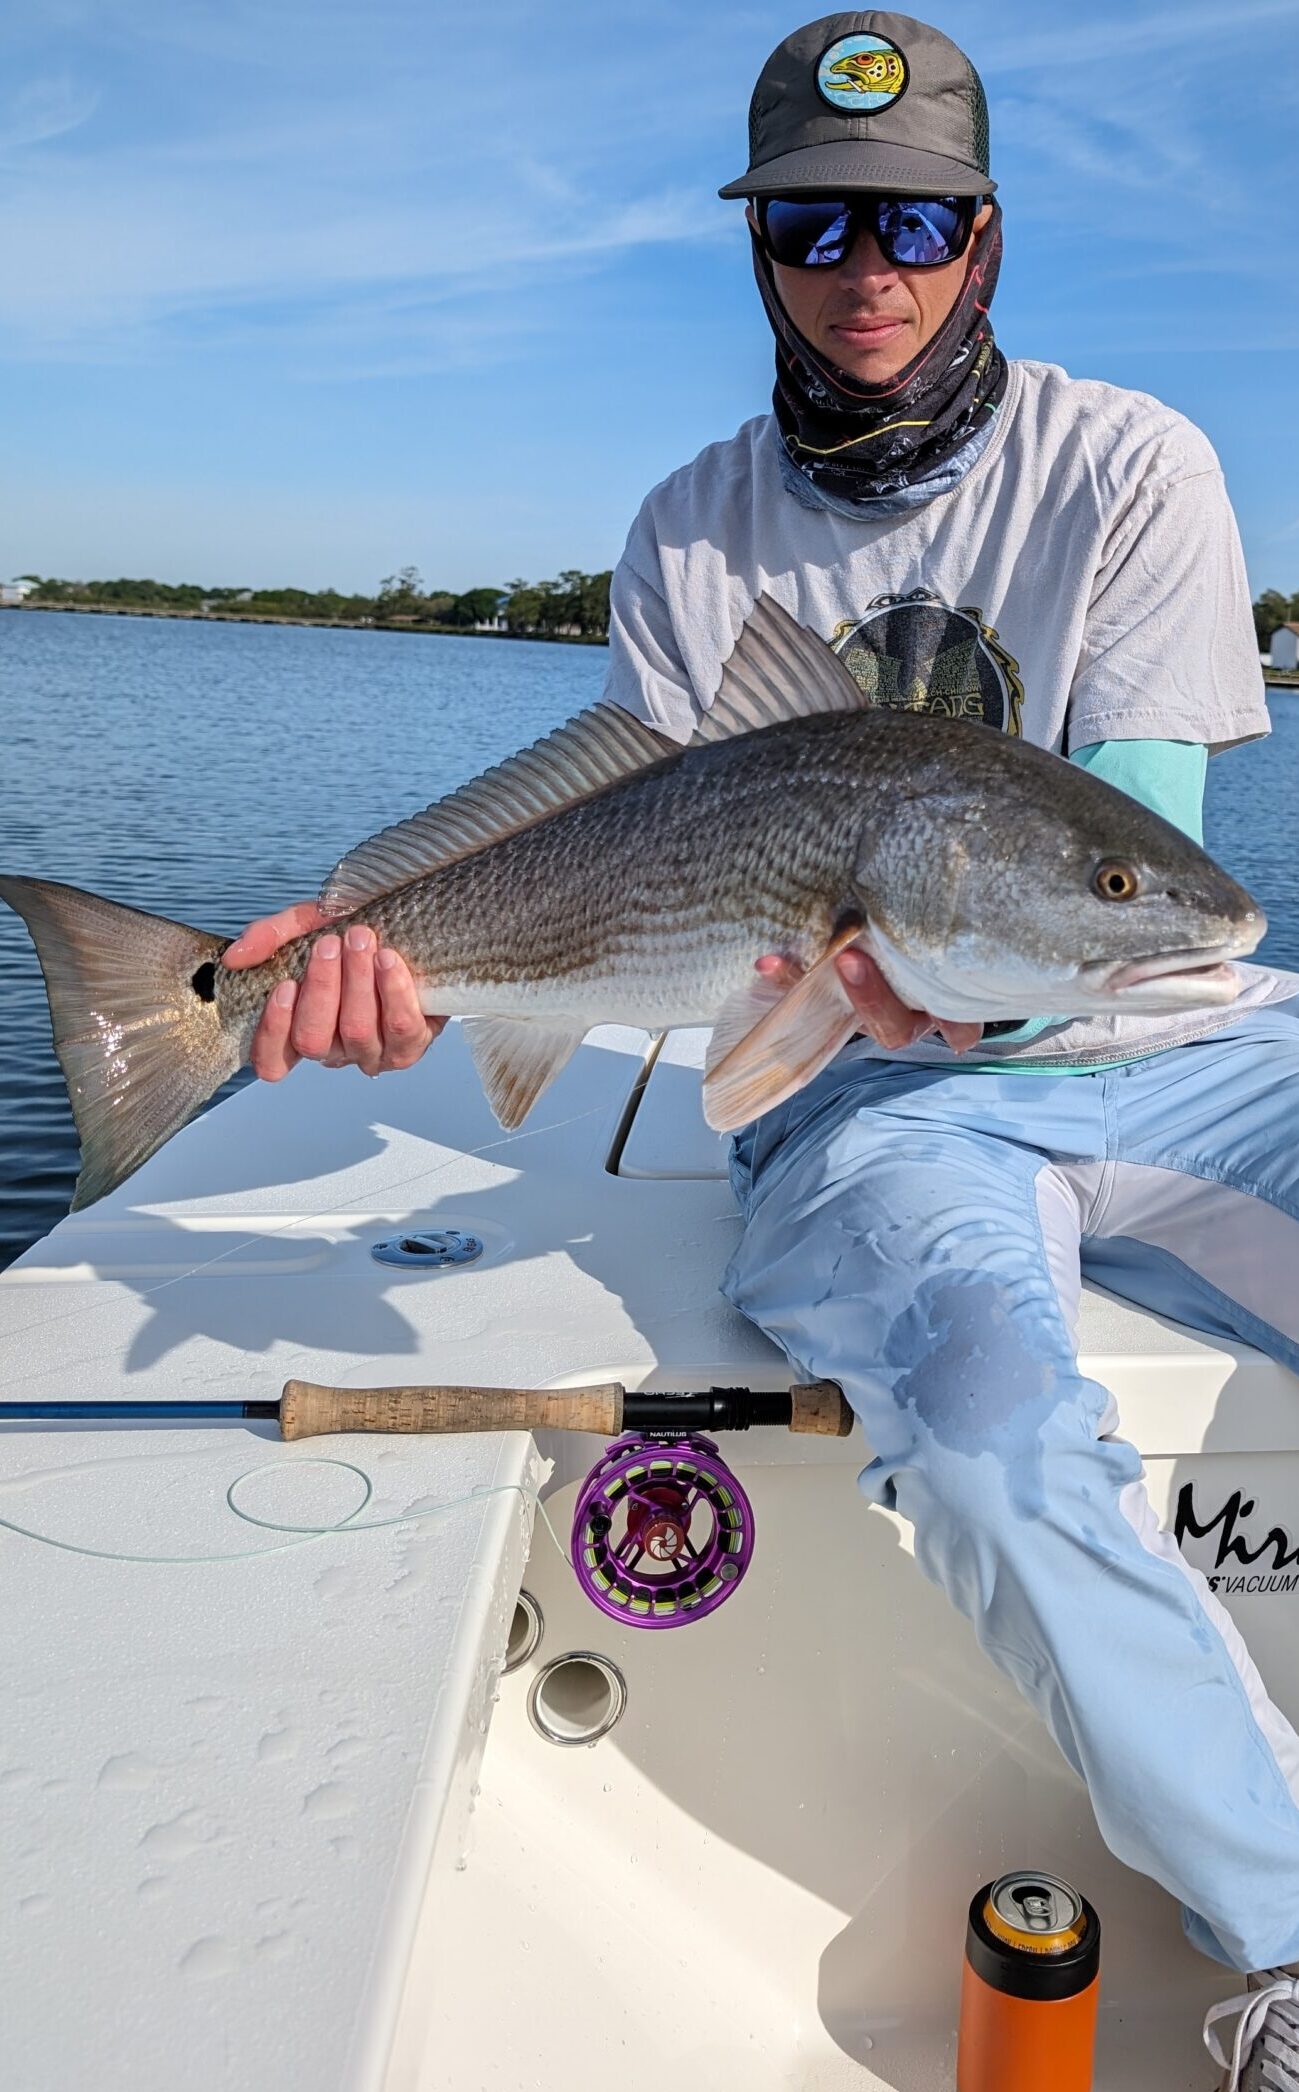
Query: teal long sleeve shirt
point(1166, 776)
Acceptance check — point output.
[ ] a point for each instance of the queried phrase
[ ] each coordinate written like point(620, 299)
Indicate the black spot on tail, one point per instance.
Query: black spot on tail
point(204, 982)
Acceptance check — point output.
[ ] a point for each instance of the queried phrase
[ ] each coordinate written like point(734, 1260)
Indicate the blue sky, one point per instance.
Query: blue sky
point(303, 293)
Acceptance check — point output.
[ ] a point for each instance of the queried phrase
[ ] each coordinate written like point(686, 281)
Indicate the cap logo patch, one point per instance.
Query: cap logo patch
point(861, 74)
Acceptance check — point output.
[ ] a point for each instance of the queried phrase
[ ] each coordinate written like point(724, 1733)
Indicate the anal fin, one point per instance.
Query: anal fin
point(517, 1058)
point(749, 1070)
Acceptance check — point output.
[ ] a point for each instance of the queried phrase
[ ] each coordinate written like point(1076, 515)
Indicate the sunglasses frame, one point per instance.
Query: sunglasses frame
point(857, 203)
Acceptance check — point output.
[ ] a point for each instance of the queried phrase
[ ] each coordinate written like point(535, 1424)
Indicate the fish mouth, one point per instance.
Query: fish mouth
point(1168, 980)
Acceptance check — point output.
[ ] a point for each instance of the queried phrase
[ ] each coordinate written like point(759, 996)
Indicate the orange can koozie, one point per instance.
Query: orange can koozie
point(1030, 1986)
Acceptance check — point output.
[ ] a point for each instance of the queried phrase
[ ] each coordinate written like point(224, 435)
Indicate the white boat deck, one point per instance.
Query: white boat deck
point(235, 1790)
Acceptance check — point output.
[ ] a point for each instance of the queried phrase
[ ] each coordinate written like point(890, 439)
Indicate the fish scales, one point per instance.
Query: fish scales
point(639, 885)
point(674, 881)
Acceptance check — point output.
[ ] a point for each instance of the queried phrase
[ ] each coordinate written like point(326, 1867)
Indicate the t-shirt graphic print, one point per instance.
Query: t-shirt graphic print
point(915, 653)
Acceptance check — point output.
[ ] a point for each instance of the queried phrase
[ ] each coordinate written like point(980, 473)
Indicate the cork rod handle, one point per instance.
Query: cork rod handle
point(821, 1407)
point(308, 1411)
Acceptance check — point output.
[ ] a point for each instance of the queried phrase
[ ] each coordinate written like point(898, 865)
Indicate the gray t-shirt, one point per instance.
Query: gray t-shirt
point(1084, 582)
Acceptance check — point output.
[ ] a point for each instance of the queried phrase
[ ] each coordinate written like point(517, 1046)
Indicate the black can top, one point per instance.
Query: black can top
point(1031, 1935)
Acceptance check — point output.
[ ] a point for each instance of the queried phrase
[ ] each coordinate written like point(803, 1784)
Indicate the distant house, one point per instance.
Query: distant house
point(1285, 647)
point(496, 622)
point(12, 592)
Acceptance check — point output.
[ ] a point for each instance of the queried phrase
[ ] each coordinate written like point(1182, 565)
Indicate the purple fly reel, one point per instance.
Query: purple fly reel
point(662, 1531)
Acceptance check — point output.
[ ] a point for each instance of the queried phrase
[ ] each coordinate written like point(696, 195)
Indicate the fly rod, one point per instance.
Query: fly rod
point(306, 1410)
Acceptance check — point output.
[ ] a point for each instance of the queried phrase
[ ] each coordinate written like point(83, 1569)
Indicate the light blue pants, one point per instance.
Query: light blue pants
point(917, 1234)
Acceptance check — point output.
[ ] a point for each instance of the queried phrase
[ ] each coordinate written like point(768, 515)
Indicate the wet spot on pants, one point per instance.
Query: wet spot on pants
point(973, 1377)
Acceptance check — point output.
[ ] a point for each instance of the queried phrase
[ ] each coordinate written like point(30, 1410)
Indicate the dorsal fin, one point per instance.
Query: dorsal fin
point(775, 672)
point(591, 752)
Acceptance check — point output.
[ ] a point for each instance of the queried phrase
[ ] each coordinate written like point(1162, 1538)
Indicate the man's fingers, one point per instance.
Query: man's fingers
point(269, 932)
point(407, 1032)
point(355, 1006)
point(883, 1014)
point(358, 1012)
point(781, 969)
point(315, 1020)
point(272, 1053)
point(960, 1037)
point(886, 1017)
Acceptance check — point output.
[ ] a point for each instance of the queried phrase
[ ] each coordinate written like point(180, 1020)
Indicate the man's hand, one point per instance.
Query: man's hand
point(356, 1005)
point(883, 1014)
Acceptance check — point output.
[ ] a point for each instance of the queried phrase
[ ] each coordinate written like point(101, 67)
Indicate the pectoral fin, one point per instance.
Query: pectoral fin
point(751, 1067)
point(517, 1060)
point(739, 1015)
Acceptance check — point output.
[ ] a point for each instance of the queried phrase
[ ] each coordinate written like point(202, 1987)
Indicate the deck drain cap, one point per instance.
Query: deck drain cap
point(526, 1631)
point(577, 1698)
point(431, 1250)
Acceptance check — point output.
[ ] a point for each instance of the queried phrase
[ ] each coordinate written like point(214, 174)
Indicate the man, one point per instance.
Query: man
point(1042, 556)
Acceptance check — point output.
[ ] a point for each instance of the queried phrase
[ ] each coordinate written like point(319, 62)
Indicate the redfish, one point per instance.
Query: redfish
point(607, 875)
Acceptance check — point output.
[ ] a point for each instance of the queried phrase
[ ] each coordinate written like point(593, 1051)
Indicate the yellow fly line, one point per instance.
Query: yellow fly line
point(887, 430)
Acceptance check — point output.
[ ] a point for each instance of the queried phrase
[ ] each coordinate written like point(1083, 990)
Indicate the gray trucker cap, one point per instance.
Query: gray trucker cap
point(867, 101)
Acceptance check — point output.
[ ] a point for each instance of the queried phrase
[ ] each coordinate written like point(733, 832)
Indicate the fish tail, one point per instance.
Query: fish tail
point(137, 1026)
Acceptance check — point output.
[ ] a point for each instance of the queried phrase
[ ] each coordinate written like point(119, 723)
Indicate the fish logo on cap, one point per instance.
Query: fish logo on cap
point(861, 74)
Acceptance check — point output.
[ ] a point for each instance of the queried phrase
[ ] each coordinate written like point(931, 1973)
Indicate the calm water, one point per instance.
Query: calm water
point(214, 772)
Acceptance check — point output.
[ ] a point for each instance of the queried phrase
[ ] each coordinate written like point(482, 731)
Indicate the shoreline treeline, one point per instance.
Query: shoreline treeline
point(572, 606)
point(1272, 610)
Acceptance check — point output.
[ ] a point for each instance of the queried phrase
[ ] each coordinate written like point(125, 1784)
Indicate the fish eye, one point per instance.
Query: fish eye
point(1115, 881)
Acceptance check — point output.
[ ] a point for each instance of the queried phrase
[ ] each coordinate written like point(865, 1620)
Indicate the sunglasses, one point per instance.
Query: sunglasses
point(818, 232)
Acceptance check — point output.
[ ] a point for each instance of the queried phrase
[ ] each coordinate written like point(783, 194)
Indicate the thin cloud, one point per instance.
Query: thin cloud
point(133, 260)
point(1096, 45)
point(42, 109)
point(478, 163)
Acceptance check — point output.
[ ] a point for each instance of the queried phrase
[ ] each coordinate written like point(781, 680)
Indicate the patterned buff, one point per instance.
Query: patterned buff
point(860, 441)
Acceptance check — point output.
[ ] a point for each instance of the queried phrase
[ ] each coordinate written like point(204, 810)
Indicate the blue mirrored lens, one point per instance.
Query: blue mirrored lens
point(921, 234)
point(807, 235)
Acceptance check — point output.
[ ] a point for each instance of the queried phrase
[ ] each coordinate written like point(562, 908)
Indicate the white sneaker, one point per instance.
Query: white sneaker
point(1265, 2053)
